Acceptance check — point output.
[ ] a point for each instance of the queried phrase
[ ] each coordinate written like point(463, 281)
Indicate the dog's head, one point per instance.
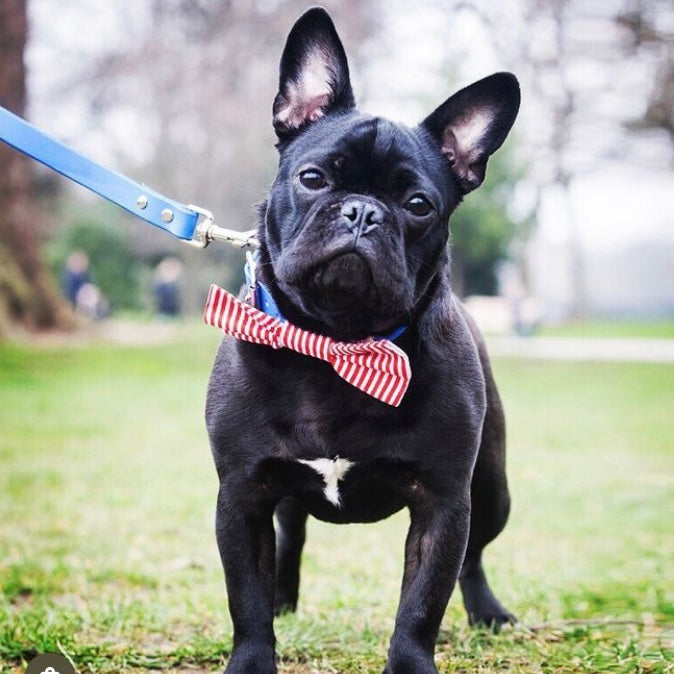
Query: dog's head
point(356, 223)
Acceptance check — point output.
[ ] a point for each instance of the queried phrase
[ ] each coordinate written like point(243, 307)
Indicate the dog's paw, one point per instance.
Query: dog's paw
point(483, 608)
point(490, 615)
point(284, 602)
point(252, 660)
point(411, 666)
point(410, 659)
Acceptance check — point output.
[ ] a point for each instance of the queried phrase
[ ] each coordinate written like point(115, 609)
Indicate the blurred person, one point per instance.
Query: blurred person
point(166, 290)
point(78, 286)
point(91, 303)
point(75, 275)
point(524, 309)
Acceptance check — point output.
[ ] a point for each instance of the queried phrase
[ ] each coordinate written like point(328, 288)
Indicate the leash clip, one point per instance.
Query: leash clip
point(251, 280)
point(207, 231)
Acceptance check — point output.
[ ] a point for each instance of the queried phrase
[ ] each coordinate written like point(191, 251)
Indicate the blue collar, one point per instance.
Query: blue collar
point(261, 298)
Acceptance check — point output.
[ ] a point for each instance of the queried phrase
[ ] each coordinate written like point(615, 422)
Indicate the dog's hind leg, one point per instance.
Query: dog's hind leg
point(482, 606)
point(291, 520)
point(490, 505)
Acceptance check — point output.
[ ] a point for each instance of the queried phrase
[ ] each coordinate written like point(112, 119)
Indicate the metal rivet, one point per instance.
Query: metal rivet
point(141, 202)
point(167, 215)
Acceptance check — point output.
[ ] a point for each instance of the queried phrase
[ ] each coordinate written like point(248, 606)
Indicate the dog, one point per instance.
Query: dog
point(354, 250)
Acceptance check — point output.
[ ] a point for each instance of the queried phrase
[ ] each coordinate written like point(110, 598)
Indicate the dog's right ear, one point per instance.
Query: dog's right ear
point(314, 77)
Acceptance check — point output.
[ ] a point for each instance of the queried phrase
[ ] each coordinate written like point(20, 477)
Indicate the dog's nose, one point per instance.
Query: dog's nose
point(360, 216)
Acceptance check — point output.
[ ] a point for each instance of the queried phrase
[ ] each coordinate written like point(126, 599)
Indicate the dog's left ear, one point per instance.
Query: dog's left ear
point(473, 123)
point(314, 74)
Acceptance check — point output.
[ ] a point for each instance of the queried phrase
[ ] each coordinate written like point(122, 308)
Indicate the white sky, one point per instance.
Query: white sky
point(616, 203)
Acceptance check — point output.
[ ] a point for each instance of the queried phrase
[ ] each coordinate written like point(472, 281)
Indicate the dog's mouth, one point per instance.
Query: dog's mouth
point(341, 294)
point(342, 281)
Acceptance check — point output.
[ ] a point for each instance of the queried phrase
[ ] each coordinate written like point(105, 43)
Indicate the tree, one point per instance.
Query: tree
point(582, 87)
point(27, 293)
point(484, 232)
point(652, 36)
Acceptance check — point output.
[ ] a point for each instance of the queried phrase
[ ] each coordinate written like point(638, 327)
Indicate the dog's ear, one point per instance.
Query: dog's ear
point(473, 123)
point(314, 77)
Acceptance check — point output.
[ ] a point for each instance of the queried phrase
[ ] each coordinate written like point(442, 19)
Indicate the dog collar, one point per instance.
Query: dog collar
point(260, 297)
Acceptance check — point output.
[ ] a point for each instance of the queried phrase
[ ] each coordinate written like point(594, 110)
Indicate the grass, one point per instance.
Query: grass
point(107, 551)
point(663, 329)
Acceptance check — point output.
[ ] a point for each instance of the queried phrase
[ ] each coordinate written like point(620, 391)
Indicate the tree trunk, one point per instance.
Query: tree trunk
point(28, 296)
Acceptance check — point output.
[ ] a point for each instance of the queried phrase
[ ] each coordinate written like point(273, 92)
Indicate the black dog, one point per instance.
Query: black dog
point(354, 245)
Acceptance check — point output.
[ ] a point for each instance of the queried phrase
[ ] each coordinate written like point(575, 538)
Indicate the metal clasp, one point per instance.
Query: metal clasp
point(207, 231)
point(251, 279)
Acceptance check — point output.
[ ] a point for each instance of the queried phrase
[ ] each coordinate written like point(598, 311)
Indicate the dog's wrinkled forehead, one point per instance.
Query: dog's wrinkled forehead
point(376, 139)
point(372, 151)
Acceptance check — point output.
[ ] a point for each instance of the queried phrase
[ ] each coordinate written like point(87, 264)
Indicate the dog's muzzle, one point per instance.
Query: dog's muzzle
point(343, 280)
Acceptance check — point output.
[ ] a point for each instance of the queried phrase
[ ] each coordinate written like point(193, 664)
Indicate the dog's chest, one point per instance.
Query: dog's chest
point(333, 462)
point(332, 471)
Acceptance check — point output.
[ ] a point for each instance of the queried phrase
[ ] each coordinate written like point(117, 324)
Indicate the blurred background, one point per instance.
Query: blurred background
point(573, 224)
point(107, 486)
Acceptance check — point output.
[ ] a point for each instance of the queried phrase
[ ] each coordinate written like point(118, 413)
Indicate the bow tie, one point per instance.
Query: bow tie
point(376, 367)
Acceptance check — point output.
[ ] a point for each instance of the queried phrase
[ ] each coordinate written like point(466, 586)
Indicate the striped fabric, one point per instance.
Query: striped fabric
point(377, 367)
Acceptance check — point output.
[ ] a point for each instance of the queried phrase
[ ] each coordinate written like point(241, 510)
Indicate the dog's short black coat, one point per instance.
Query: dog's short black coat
point(354, 243)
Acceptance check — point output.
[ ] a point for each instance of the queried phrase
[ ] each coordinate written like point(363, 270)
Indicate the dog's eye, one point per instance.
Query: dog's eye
point(419, 206)
point(313, 179)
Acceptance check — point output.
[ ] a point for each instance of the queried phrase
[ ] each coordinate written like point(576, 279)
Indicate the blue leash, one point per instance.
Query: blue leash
point(183, 221)
point(187, 222)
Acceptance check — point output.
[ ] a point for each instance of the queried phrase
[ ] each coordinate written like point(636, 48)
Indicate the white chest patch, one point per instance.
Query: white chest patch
point(332, 471)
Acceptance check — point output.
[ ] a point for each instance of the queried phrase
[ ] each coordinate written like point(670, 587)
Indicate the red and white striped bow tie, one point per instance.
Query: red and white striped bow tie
point(377, 367)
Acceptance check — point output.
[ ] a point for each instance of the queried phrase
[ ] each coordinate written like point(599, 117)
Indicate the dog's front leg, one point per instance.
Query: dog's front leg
point(434, 552)
point(245, 534)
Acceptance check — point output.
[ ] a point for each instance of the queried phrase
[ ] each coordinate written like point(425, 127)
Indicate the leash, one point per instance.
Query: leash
point(376, 366)
point(192, 224)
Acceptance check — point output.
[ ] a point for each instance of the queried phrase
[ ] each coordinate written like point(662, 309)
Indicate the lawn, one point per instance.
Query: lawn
point(663, 329)
point(107, 551)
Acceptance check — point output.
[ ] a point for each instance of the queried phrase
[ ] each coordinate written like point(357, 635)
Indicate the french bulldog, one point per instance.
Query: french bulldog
point(354, 247)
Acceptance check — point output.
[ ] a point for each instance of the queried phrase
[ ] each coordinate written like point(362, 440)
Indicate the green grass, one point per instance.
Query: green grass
point(663, 329)
point(107, 550)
